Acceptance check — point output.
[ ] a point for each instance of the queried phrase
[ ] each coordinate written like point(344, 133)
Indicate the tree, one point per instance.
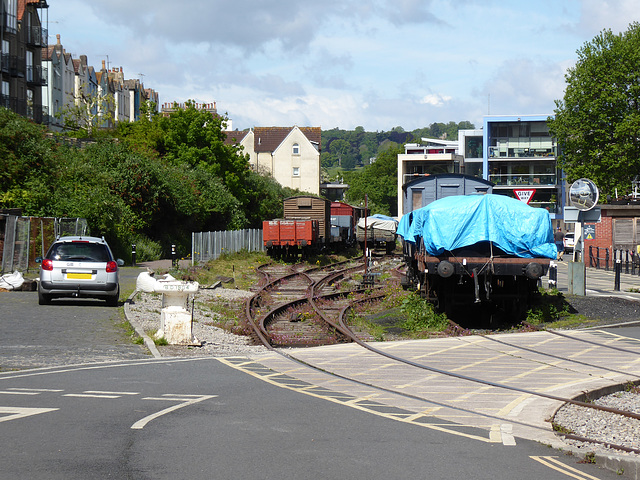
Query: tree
point(90, 110)
point(597, 123)
point(340, 148)
point(378, 181)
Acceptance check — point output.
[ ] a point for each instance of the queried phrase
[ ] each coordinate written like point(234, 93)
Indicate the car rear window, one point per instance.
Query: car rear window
point(91, 252)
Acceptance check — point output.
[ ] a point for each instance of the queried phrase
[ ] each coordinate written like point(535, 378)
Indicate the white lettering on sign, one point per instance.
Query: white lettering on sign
point(524, 194)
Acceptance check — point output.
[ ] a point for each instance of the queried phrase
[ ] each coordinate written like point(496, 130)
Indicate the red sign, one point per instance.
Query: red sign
point(524, 194)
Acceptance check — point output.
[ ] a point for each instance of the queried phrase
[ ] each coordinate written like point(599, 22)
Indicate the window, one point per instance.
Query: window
point(296, 171)
point(296, 149)
point(5, 94)
point(29, 58)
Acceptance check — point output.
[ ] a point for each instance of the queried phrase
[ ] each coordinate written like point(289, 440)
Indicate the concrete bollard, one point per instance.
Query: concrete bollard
point(176, 322)
point(553, 275)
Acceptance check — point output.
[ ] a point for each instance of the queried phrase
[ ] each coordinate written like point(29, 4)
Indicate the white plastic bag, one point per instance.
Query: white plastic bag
point(11, 281)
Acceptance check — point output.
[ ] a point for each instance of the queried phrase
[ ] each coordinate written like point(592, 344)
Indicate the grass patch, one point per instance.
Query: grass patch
point(235, 270)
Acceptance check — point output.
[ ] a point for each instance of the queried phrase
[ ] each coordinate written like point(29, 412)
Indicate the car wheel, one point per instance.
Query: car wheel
point(43, 298)
point(112, 301)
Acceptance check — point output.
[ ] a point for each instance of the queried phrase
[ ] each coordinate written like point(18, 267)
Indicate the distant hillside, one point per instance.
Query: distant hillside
point(351, 148)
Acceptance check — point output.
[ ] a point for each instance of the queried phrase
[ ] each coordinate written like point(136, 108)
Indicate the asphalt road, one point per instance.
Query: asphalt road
point(202, 419)
point(67, 331)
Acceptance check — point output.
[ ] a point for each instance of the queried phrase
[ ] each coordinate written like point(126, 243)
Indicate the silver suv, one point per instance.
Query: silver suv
point(79, 267)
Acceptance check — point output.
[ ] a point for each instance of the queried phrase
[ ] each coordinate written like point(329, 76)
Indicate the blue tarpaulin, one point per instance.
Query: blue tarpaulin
point(465, 220)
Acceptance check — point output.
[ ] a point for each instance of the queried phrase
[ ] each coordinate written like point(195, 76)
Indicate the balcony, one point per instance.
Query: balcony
point(508, 153)
point(523, 180)
point(37, 37)
point(37, 75)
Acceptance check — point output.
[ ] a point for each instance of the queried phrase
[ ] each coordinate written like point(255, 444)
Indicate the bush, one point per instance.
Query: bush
point(147, 249)
point(421, 316)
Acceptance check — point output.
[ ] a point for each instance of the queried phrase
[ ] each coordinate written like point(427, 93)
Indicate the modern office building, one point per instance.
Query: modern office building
point(520, 158)
point(515, 152)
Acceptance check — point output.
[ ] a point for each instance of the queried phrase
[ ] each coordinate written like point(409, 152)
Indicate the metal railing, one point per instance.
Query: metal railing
point(607, 259)
point(207, 246)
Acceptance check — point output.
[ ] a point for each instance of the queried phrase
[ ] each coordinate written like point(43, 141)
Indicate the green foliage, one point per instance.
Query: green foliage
point(421, 316)
point(146, 249)
point(141, 185)
point(551, 307)
point(378, 181)
point(598, 120)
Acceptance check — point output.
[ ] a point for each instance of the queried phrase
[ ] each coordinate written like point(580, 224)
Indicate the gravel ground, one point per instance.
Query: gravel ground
point(145, 311)
point(603, 426)
point(606, 310)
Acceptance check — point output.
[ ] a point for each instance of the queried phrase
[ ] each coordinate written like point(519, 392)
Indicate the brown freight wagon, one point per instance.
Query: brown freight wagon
point(309, 207)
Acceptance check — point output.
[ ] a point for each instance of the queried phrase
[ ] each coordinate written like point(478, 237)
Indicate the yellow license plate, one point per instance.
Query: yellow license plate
point(79, 276)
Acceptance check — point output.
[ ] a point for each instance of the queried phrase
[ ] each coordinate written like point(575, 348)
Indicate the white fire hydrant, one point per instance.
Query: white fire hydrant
point(176, 322)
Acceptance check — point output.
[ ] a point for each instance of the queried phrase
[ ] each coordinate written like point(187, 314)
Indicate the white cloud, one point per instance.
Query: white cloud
point(378, 64)
point(436, 100)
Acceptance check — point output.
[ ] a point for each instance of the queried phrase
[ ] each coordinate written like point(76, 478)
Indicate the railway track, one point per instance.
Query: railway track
point(297, 306)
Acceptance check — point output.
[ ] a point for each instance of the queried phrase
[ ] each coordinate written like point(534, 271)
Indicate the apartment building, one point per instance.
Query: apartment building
point(23, 36)
point(520, 158)
point(516, 153)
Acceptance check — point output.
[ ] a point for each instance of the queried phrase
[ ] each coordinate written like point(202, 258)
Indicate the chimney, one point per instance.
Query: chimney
point(58, 38)
point(104, 66)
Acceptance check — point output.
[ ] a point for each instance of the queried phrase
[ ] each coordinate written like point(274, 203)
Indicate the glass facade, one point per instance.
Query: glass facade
point(520, 153)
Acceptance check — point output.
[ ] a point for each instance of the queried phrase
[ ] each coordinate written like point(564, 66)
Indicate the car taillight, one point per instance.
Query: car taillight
point(112, 267)
point(47, 264)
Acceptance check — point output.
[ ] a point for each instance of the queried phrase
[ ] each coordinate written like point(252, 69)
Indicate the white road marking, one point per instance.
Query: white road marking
point(39, 390)
point(13, 413)
point(99, 394)
point(140, 424)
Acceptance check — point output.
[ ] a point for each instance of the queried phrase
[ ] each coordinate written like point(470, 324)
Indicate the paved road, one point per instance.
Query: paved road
point(202, 419)
point(67, 331)
point(138, 417)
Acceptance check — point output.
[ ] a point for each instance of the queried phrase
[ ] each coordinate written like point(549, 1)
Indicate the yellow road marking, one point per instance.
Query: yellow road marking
point(555, 464)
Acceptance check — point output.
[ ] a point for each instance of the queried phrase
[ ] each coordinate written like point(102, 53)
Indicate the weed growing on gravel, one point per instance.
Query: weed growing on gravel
point(420, 315)
point(561, 429)
point(551, 306)
point(632, 388)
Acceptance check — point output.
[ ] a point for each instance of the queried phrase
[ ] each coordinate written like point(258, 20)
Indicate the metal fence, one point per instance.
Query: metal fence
point(605, 259)
point(22, 239)
point(207, 246)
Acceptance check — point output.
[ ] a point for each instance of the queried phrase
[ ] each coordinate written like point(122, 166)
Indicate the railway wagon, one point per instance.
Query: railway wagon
point(424, 189)
point(305, 207)
point(344, 218)
point(379, 231)
point(287, 237)
point(477, 252)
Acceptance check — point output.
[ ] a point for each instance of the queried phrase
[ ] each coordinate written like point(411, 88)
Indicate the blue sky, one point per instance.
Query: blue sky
point(376, 64)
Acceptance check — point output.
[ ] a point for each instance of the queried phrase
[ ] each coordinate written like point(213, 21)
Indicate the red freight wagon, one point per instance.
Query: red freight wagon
point(289, 237)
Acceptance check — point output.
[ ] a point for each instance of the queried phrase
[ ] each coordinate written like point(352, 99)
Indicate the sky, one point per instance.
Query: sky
point(378, 64)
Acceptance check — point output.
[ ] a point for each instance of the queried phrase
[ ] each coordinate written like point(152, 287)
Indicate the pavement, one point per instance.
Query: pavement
point(443, 398)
